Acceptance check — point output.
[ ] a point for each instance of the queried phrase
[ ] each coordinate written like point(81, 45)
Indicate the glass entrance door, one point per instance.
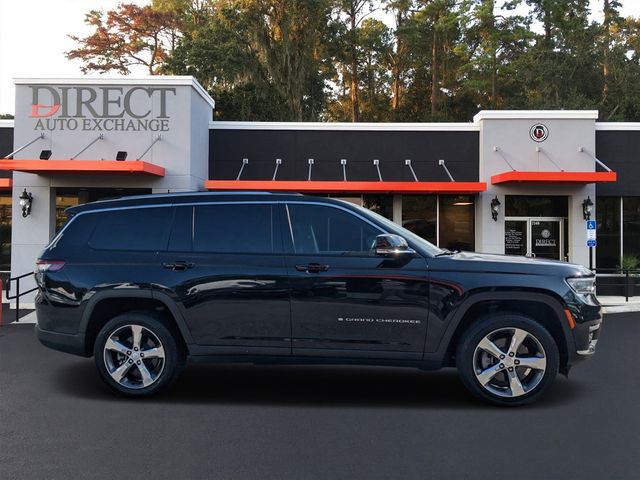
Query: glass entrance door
point(535, 237)
point(546, 239)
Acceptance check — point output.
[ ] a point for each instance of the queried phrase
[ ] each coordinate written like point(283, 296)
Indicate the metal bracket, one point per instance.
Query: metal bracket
point(499, 152)
point(39, 137)
point(310, 167)
point(158, 138)
point(275, 172)
point(376, 162)
point(245, 161)
point(407, 162)
point(343, 162)
point(100, 137)
point(441, 163)
point(540, 150)
point(584, 150)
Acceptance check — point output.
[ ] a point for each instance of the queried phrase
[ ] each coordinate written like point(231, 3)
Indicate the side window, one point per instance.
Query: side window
point(328, 230)
point(181, 230)
point(137, 229)
point(240, 228)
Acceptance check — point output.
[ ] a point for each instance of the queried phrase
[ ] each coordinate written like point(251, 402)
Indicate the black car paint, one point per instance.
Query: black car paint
point(261, 308)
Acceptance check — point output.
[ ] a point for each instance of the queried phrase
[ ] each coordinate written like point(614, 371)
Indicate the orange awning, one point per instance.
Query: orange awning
point(316, 186)
point(6, 183)
point(553, 177)
point(79, 167)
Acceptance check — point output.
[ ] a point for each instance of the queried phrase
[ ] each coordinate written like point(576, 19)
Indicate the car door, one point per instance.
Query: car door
point(225, 268)
point(345, 300)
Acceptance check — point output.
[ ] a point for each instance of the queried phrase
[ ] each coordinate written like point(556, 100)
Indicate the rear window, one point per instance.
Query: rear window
point(136, 229)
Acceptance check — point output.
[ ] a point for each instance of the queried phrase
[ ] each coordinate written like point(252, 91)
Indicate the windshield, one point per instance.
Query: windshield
point(408, 235)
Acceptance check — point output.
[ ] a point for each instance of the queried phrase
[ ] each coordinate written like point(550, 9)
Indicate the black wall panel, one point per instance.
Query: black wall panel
point(6, 147)
point(620, 151)
point(227, 148)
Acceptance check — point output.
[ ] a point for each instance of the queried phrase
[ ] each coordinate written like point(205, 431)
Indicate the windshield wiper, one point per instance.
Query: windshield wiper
point(445, 252)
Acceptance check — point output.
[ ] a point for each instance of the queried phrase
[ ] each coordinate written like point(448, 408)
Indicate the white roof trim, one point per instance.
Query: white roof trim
point(437, 127)
point(6, 123)
point(535, 115)
point(617, 125)
point(168, 80)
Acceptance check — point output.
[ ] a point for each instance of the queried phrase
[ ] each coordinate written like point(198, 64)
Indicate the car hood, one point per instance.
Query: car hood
point(489, 262)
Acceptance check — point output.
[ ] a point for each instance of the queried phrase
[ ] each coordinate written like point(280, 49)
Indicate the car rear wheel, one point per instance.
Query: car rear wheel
point(137, 355)
point(507, 359)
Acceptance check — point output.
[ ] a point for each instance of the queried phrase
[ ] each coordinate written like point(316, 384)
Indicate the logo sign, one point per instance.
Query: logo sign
point(546, 233)
point(539, 132)
point(591, 233)
point(100, 109)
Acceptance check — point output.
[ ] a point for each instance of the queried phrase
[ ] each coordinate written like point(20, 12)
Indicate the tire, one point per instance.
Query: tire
point(137, 354)
point(493, 374)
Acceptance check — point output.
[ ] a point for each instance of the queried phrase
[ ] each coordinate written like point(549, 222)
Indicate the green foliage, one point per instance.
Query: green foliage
point(336, 60)
point(629, 262)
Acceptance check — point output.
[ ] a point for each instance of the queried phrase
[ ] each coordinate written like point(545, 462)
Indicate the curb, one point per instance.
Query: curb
point(620, 308)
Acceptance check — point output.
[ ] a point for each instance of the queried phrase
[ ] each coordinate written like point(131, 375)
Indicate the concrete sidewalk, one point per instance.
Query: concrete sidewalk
point(615, 304)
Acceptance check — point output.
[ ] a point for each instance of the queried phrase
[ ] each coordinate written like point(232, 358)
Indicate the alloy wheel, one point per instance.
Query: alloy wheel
point(509, 362)
point(134, 356)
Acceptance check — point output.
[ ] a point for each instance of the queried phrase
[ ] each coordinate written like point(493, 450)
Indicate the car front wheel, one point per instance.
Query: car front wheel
point(507, 359)
point(137, 355)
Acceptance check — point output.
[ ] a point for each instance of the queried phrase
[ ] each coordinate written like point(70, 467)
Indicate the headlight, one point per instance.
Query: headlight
point(582, 285)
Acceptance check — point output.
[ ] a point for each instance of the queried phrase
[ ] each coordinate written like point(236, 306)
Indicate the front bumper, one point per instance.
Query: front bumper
point(587, 338)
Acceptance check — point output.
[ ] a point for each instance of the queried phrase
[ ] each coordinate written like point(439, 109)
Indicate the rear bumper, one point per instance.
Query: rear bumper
point(64, 342)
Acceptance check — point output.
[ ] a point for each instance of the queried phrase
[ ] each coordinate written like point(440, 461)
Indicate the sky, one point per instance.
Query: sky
point(34, 37)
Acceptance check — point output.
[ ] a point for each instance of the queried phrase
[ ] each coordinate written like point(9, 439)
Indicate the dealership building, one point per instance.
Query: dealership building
point(514, 182)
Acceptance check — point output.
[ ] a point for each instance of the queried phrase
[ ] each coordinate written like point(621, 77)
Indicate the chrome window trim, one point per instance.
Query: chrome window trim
point(226, 202)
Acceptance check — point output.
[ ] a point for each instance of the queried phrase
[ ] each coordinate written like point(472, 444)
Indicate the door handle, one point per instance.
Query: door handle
point(179, 265)
point(312, 268)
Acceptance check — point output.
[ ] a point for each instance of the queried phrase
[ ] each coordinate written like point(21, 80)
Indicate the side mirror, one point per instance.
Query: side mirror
point(391, 244)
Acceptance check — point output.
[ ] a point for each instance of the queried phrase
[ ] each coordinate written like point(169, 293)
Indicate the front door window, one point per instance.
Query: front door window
point(545, 238)
point(535, 237)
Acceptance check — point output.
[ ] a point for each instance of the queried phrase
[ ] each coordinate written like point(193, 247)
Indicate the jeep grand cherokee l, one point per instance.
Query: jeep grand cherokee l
point(143, 283)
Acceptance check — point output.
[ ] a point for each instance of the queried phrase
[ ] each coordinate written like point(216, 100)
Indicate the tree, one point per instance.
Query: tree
point(286, 35)
point(398, 56)
point(131, 35)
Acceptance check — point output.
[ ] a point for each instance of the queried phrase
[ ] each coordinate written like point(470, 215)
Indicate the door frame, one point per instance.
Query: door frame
point(562, 221)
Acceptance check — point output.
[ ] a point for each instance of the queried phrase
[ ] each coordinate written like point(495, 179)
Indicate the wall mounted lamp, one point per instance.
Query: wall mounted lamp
point(495, 208)
point(26, 199)
point(587, 207)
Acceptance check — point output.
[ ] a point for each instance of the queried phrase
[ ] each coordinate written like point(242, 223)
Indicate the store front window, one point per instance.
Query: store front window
point(444, 220)
point(631, 226)
point(381, 204)
point(420, 216)
point(457, 216)
point(5, 231)
point(608, 228)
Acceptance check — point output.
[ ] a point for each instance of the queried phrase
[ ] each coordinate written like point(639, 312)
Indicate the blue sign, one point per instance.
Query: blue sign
point(591, 243)
point(591, 224)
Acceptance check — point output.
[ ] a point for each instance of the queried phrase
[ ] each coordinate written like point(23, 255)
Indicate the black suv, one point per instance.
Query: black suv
point(142, 283)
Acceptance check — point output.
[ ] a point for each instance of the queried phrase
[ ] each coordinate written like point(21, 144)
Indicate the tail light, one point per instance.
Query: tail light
point(48, 265)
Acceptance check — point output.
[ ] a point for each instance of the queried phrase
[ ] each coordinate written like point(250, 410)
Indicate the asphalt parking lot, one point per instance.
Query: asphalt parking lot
point(57, 421)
